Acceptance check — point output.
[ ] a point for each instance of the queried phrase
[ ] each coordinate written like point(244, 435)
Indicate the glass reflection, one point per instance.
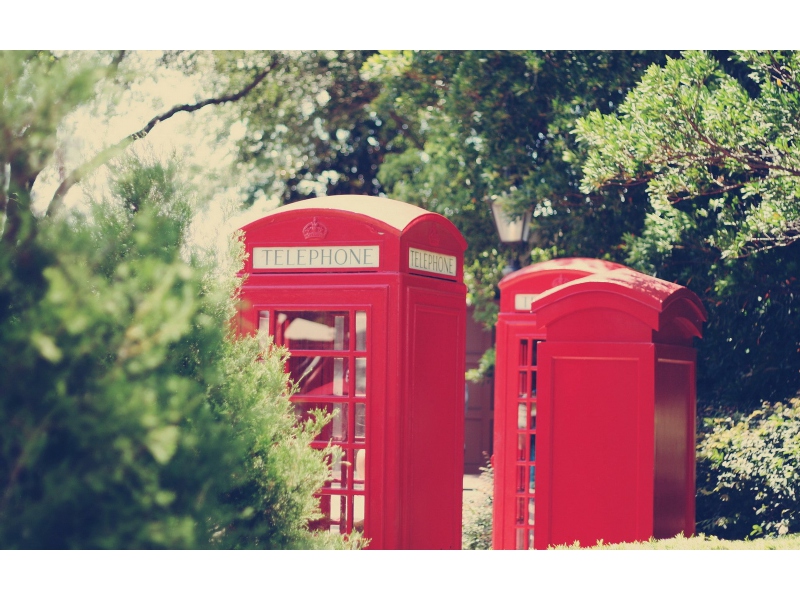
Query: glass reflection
point(521, 416)
point(521, 443)
point(360, 469)
point(334, 513)
point(313, 330)
point(361, 421)
point(521, 512)
point(319, 375)
point(338, 473)
point(361, 331)
point(358, 513)
point(361, 376)
point(520, 539)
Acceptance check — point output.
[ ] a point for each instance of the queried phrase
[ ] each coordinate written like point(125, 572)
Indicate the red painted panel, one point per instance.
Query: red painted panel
point(595, 439)
point(435, 420)
point(675, 441)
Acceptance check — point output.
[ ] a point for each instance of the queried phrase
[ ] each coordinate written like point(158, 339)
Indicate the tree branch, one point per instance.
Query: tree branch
point(113, 151)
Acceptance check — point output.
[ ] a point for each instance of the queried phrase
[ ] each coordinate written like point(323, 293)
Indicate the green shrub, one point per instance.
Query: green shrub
point(747, 474)
point(476, 533)
point(129, 418)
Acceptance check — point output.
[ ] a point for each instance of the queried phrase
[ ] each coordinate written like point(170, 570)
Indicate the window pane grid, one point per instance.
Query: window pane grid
point(329, 358)
point(525, 463)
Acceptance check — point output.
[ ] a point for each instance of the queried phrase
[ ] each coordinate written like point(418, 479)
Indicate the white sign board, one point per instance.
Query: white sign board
point(523, 301)
point(317, 257)
point(424, 260)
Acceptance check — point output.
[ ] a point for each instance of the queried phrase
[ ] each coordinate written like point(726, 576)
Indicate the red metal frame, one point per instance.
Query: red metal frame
point(414, 395)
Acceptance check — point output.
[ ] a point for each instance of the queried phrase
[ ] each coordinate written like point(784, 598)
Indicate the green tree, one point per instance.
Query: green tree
point(715, 146)
point(479, 125)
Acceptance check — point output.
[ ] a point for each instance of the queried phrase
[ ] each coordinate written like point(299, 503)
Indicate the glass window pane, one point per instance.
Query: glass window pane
point(360, 469)
point(533, 447)
point(361, 421)
point(339, 474)
point(521, 476)
point(361, 331)
point(523, 353)
point(532, 479)
point(520, 545)
point(336, 429)
point(334, 513)
point(313, 330)
point(530, 511)
point(319, 375)
point(521, 416)
point(533, 416)
point(523, 388)
point(263, 321)
point(530, 538)
point(533, 384)
point(358, 513)
point(361, 376)
point(522, 512)
point(534, 352)
point(521, 443)
point(339, 332)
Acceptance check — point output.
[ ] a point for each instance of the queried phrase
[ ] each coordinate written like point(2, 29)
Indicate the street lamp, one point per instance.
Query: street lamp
point(512, 230)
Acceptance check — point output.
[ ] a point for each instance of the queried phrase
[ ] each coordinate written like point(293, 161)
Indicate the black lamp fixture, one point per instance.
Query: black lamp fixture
point(512, 230)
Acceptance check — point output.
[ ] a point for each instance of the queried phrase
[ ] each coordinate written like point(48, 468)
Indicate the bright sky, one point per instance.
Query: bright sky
point(189, 136)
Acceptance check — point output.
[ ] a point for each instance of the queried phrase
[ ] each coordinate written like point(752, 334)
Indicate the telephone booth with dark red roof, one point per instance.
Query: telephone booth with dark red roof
point(368, 296)
point(516, 394)
point(616, 410)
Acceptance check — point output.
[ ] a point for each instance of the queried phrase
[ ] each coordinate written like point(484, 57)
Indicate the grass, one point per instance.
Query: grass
point(699, 542)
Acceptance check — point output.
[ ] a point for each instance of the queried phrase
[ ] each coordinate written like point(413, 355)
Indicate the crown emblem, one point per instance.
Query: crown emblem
point(433, 236)
point(315, 230)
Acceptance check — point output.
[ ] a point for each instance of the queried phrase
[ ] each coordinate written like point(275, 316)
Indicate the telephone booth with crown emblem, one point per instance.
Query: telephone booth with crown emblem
point(368, 296)
point(516, 395)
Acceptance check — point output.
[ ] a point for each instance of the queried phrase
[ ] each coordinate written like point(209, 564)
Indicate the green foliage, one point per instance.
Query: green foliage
point(129, 418)
point(309, 129)
point(714, 145)
point(748, 482)
point(485, 368)
point(477, 125)
point(476, 533)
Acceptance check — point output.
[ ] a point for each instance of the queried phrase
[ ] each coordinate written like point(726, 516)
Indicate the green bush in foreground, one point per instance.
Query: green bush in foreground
point(476, 533)
point(747, 474)
point(129, 418)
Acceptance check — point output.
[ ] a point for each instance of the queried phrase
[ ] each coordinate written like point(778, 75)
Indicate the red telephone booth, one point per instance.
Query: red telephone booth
point(368, 296)
point(516, 370)
point(616, 410)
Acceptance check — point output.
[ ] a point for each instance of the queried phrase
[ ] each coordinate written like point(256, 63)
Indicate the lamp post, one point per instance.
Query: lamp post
point(512, 230)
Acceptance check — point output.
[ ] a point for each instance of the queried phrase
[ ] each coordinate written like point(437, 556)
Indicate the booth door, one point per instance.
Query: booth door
point(520, 439)
point(330, 364)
